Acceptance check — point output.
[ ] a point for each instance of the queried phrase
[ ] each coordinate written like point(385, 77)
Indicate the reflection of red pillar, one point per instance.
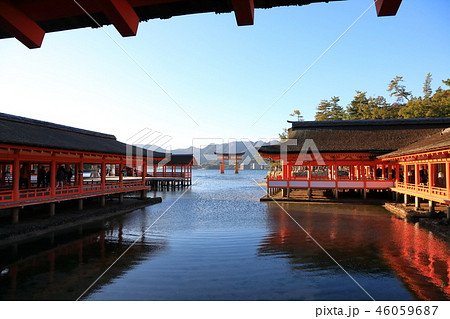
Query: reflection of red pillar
point(222, 166)
point(236, 165)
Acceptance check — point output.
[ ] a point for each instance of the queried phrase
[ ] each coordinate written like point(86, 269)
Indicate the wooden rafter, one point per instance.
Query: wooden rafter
point(122, 16)
point(244, 11)
point(20, 26)
point(387, 7)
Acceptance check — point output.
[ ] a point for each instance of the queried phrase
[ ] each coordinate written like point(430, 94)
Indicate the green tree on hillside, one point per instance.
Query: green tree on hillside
point(362, 107)
point(430, 105)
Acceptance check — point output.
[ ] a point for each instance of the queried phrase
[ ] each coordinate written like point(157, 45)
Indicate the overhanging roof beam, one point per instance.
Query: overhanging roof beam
point(122, 16)
point(387, 7)
point(244, 11)
point(20, 26)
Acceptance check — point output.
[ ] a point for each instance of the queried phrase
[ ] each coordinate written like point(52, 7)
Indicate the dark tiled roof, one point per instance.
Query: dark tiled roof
point(181, 159)
point(158, 10)
point(435, 142)
point(16, 130)
point(375, 136)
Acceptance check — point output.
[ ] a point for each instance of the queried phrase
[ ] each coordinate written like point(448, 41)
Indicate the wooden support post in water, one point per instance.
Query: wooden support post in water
point(102, 201)
point(365, 193)
point(417, 202)
point(80, 204)
point(406, 199)
point(309, 192)
point(236, 168)
point(448, 212)
point(121, 198)
point(52, 209)
point(15, 215)
point(143, 194)
point(430, 206)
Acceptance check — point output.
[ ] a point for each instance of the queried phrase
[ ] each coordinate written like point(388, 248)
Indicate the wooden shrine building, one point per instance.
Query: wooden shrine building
point(340, 155)
point(173, 171)
point(42, 162)
point(424, 170)
point(29, 20)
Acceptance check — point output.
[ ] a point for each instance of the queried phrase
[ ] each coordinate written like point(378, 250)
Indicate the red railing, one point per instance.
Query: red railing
point(89, 188)
point(6, 196)
point(423, 189)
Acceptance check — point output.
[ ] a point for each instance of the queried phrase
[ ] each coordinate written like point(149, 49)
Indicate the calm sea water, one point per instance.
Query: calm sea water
point(216, 241)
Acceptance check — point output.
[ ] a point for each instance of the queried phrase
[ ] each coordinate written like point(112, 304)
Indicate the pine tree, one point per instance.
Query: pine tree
point(336, 111)
point(427, 91)
point(399, 90)
point(323, 111)
point(298, 114)
point(357, 109)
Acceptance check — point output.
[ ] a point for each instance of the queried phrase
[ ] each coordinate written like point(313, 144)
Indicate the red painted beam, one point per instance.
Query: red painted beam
point(122, 16)
point(20, 26)
point(387, 7)
point(244, 11)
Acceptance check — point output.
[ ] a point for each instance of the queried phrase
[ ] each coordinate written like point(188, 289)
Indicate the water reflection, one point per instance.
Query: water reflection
point(61, 266)
point(420, 259)
point(218, 242)
point(365, 242)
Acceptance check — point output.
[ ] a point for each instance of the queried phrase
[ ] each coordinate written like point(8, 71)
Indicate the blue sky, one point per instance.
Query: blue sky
point(222, 75)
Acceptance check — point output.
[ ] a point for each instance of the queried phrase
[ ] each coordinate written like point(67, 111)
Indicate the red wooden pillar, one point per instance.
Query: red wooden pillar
point(121, 175)
point(16, 176)
point(364, 178)
point(53, 176)
point(80, 173)
point(447, 179)
point(103, 177)
point(236, 165)
point(144, 170)
point(222, 165)
point(397, 173)
point(431, 175)
point(416, 176)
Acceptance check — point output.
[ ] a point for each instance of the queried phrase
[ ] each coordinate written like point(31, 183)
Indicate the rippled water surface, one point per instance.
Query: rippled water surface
point(218, 242)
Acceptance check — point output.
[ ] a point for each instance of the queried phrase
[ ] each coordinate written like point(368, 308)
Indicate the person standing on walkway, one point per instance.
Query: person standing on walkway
point(41, 176)
point(60, 176)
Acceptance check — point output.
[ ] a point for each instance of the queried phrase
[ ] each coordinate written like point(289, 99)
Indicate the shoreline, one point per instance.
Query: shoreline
point(12, 233)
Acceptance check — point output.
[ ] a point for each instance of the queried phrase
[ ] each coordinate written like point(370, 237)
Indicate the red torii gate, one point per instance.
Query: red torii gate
point(229, 156)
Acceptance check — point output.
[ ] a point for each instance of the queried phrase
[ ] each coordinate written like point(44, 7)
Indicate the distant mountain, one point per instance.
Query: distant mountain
point(206, 156)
